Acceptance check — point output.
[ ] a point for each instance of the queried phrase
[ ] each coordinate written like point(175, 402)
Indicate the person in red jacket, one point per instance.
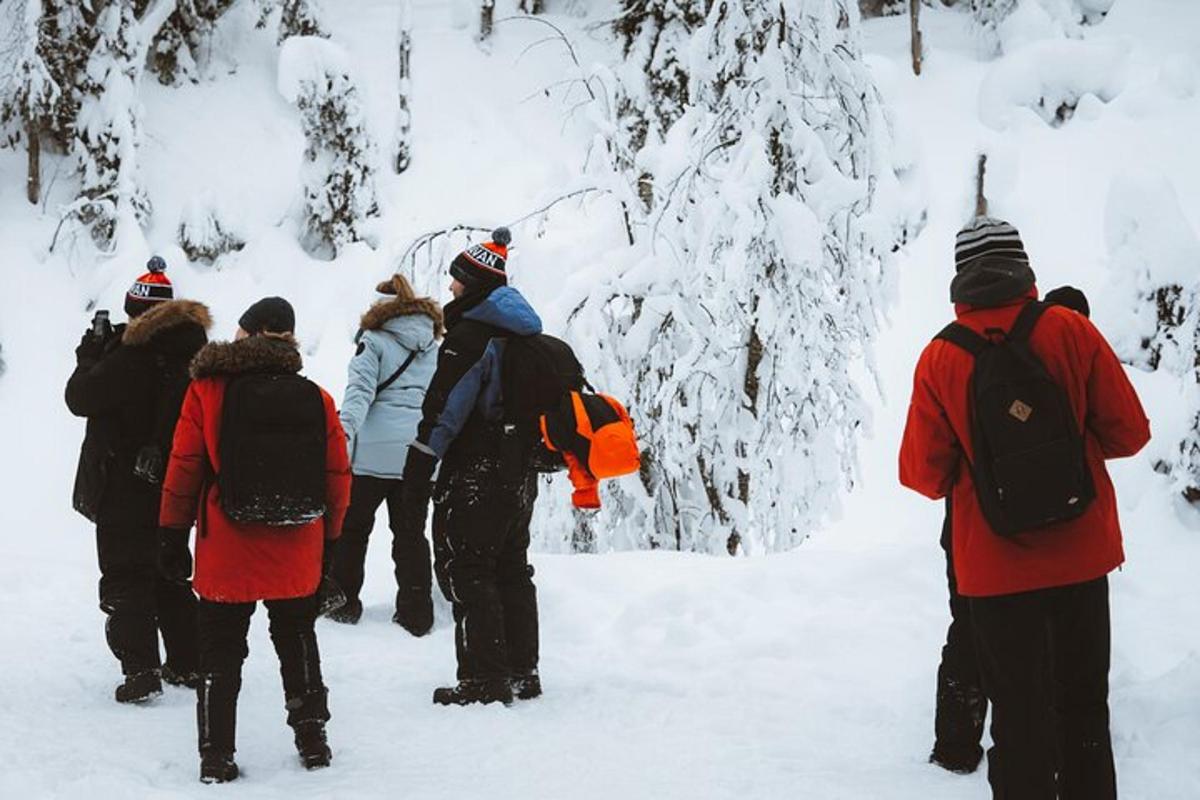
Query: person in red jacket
point(1038, 599)
point(239, 563)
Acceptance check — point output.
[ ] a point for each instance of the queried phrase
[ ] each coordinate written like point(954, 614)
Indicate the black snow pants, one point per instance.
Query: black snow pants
point(410, 551)
point(140, 604)
point(481, 547)
point(961, 703)
point(223, 628)
point(1040, 650)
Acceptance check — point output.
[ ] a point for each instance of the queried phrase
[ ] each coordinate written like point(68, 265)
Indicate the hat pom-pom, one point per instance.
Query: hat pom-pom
point(502, 236)
point(156, 264)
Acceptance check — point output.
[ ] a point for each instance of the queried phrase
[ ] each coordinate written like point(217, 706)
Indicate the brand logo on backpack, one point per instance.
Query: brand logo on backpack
point(1022, 411)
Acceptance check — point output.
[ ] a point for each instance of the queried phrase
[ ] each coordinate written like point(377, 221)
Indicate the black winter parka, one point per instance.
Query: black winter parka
point(131, 393)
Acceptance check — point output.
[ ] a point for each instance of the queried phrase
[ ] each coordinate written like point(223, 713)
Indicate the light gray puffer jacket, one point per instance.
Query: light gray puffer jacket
point(381, 427)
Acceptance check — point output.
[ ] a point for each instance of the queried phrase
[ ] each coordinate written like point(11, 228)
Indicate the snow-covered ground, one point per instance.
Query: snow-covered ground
point(808, 674)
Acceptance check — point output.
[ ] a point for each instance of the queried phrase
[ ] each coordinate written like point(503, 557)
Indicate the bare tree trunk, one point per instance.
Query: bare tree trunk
point(487, 9)
point(33, 182)
point(981, 203)
point(915, 22)
point(404, 121)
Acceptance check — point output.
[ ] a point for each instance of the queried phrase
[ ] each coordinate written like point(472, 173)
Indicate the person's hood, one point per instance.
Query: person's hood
point(263, 354)
point(965, 308)
point(392, 307)
point(412, 332)
point(185, 320)
point(991, 282)
point(507, 309)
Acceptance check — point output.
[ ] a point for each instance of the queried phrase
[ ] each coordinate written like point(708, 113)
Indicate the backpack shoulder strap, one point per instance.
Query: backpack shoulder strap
point(412, 356)
point(1029, 316)
point(964, 337)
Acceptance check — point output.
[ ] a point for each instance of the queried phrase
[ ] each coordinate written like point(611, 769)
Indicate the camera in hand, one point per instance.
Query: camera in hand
point(101, 327)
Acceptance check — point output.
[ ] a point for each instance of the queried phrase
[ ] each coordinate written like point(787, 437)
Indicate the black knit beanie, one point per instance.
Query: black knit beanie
point(482, 266)
point(269, 315)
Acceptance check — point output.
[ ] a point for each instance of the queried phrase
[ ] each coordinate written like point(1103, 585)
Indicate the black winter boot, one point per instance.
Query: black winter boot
point(185, 680)
point(469, 692)
point(307, 715)
point(216, 726)
point(526, 686)
point(140, 687)
point(312, 745)
point(349, 613)
point(218, 767)
point(416, 618)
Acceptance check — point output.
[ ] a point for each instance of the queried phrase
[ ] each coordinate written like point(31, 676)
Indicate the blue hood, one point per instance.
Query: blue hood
point(506, 308)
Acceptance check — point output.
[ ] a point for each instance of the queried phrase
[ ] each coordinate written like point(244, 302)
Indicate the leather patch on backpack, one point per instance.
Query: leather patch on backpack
point(1022, 411)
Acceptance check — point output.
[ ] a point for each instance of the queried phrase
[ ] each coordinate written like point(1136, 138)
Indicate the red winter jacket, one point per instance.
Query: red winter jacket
point(937, 437)
point(239, 563)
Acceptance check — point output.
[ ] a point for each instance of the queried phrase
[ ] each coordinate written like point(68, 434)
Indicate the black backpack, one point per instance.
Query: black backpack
point(273, 447)
point(536, 374)
point(1030, 469)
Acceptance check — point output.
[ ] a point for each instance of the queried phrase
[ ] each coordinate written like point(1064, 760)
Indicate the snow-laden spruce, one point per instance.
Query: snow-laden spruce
point(28, 92)
point(760, 277)
point(207, 231)
point(107, 128)
point(339, 156)
point(1154, 252)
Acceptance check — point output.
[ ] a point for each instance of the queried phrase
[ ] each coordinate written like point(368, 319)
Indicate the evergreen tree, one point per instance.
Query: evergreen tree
point(28, 92)
point(182, 43)
point(339, 172)
point(107, 127)
point(764, 280)
point(300, 18)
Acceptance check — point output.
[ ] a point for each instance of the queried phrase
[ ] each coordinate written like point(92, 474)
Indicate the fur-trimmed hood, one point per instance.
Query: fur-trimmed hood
point(164, 316)
point(272, 354)
point(383, 311)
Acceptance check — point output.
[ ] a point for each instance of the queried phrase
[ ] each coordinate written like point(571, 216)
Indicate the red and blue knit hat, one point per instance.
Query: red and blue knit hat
point(150, 289)
point(482, 266)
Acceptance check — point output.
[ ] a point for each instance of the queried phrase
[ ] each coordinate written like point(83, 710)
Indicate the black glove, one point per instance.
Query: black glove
point(174, 560)
point(330, 596)
point(1069, 297)
point(417, 489)
point(91, 348)
point(149, 465)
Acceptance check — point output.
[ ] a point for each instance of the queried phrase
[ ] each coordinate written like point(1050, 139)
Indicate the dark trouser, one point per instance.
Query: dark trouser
point(140, 604)
point(410, 550)
point(961, 703)
point(481, 546)
point(1022, 639)
point(223, 628)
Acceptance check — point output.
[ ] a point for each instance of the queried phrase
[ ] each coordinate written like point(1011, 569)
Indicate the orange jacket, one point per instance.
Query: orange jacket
point(936, 450)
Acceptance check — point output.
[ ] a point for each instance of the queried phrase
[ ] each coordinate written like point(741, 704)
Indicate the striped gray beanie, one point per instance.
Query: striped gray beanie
point(990, 263)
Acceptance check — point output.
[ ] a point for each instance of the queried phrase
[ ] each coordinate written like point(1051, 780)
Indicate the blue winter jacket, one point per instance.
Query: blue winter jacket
point(381, 425)
point(464, 396)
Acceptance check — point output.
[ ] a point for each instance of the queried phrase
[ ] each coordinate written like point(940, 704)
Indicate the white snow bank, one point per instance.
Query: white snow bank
point(1049, 78)
point(1147, 233)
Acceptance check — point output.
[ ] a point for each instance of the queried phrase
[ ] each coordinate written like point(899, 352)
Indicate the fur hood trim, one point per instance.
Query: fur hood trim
point(144, 327)
point(271, 354)
point(385, 310)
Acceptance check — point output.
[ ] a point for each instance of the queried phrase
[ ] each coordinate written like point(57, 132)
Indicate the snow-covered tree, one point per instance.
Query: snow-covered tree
point(339, 156)
point(107, 126)
point(654, 89)
point(487, 14)
point(737, 330)
point(1153, 251)
point(300, 18)
point(403, 147)
point(66, 36)
point(28, 92)
point(207, 232)
point(184, 39)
